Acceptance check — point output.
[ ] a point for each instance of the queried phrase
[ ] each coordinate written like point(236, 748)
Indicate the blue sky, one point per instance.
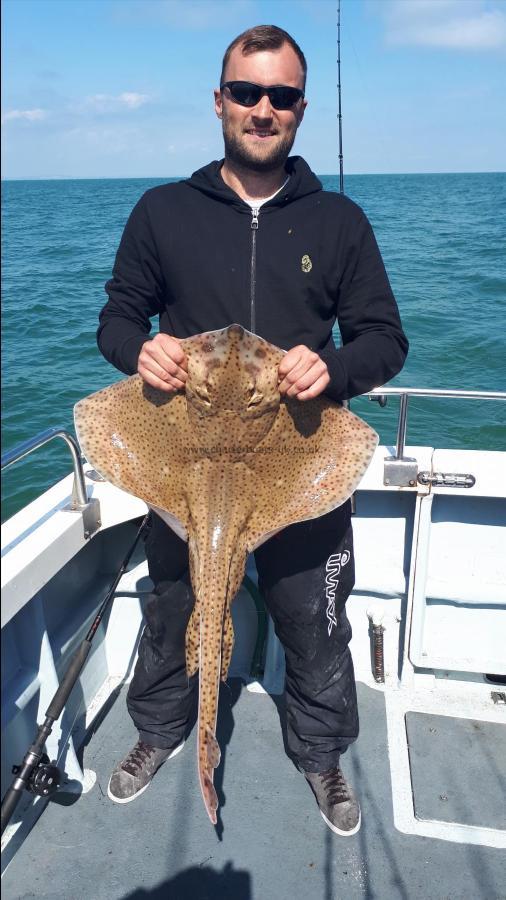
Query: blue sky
point(123, 88)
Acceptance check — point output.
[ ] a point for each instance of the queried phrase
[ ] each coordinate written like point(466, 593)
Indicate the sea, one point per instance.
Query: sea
point(443, 240)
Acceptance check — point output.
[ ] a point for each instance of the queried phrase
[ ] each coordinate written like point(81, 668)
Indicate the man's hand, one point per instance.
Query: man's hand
point(302, 374)
point(163, 364)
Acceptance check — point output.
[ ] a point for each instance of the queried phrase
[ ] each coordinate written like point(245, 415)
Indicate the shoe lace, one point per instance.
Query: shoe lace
point(137, 758)
point(335, 786)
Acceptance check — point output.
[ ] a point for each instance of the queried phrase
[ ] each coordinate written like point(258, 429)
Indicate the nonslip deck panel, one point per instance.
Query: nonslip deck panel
point(458, 769)
point(273, 842)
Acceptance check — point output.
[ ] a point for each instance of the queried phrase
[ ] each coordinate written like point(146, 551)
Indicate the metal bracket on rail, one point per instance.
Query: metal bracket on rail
point(90, 513)
point(88, 507)
point(400, 470)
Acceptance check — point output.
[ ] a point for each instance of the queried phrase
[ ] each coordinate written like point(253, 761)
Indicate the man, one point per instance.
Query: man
point(253, 239)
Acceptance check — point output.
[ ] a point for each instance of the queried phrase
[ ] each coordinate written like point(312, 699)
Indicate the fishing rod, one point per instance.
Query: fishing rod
point(346, 403)
point(36, 773)
point(339, 112)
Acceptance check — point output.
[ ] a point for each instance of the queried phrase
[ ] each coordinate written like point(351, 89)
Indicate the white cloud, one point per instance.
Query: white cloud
point(29, 115)
point(133, 100)
point(104, 103)
point(450, 24)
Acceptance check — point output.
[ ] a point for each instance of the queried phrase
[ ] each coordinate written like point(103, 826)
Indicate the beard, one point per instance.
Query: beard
point(256, 159)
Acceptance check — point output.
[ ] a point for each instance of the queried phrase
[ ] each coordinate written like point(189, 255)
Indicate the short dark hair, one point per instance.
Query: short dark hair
point(263, 37)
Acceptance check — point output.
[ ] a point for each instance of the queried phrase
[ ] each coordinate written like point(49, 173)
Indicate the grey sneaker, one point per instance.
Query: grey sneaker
point(133, 774)
point(338, 804)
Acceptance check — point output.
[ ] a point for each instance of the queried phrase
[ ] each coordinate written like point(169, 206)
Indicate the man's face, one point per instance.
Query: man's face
point(260, 137)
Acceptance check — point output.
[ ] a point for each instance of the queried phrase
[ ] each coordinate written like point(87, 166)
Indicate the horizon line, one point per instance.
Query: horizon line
point(183, 177)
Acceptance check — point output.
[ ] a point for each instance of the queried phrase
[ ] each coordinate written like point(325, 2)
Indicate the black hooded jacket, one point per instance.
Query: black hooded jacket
point(192, 254)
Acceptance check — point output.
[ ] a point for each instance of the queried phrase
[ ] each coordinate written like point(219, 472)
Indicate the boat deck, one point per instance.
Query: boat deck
point(428, 766)
point(270, 841)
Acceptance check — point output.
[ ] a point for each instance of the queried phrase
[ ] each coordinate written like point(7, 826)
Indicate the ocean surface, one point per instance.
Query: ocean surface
point(443, 240)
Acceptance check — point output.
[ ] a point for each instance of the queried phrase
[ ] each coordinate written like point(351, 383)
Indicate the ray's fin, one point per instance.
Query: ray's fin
point(213, 756)
point(212, 749)
point(210, 797)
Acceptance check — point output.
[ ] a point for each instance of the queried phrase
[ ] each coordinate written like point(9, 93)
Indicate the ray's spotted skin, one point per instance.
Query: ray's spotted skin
point(226, 464)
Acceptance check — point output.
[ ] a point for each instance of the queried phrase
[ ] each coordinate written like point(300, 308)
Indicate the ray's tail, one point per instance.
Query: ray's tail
point(209, 753)
point(209, 646)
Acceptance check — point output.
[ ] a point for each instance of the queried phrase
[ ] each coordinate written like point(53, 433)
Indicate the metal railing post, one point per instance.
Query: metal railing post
point(402, 426)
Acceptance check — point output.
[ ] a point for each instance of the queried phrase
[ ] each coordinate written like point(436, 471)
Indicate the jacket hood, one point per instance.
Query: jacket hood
point(302, 181)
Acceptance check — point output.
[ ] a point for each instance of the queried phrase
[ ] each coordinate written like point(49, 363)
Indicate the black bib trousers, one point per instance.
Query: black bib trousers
point(305, 574)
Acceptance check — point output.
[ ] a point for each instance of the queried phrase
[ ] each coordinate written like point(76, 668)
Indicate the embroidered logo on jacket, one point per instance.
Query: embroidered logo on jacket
point(333, 568)
point(306, 264)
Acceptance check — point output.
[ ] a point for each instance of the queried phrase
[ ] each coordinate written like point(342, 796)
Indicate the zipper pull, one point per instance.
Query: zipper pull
point(255, 211)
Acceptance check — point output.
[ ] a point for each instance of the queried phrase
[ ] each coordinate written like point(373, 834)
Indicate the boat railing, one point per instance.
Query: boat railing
point(79, 501)
point(400, 470)
point(79, 496)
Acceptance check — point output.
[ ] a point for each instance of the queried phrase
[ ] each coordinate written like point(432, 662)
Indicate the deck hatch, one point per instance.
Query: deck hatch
point(457, 769)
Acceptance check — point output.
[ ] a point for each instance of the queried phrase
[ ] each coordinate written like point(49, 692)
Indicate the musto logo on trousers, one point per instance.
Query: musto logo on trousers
point(333, 569)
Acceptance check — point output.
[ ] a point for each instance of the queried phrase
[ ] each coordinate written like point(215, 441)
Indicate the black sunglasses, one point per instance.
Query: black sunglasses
point(246, 93)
